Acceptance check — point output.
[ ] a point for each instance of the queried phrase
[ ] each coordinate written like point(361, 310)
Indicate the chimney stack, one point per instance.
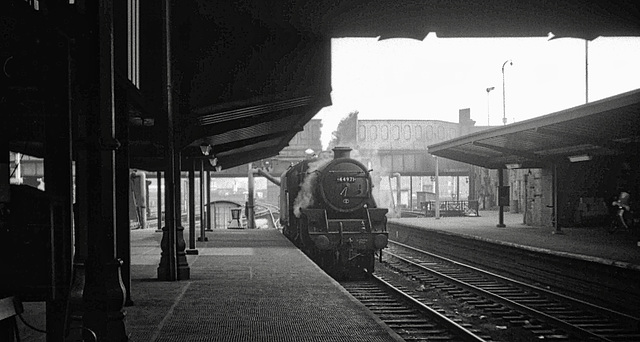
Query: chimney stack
point(341, 152)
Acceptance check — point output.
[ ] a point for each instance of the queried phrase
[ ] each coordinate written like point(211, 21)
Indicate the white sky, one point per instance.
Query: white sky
point(434, 78)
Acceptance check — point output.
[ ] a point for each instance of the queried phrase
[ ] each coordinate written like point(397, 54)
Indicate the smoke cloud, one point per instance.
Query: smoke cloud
point(305, 195)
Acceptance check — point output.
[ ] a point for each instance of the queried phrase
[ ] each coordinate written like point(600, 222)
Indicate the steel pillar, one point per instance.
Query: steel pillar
point(123, 187)
point(437, 212)
point(58, 185)
point(208, 199)
point(192, 210)
point(203, 236)
point(173, 261)
point(501, 212)
point(160, 209)
point(104, 293)
point(80, 82)
point(250, 202)
point(7, 325)
point(554, 197)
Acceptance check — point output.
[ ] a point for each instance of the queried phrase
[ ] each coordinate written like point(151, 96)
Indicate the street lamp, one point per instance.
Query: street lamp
point(488, 112)
point(586, 62)
point(504, 112)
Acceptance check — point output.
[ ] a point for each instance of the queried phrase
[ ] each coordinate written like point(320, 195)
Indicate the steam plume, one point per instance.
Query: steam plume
point(305, 195)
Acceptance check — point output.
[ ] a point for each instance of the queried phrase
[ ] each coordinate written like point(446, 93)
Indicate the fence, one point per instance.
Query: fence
point(451, 208)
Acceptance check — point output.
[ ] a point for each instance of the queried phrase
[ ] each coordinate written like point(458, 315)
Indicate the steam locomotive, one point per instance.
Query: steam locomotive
point(327, 210)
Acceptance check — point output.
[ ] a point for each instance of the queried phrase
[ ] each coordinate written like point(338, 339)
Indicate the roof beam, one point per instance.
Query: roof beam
point(579, 139)
point(511, 151)
point(464, 157)
point(233, 145)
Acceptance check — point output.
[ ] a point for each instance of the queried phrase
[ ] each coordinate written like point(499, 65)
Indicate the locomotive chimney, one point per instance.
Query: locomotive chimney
point(341, 152)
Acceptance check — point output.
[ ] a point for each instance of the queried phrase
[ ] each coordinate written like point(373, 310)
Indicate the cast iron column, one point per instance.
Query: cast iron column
point(58, 184)
point(251, 201)
point(192, 209)
point(173, 261)
point(208, 199)
point(80, 83)
point(202, 237)
point(104, 293)
point(123, 187)
point(501, 212)
point(7, 332)
point(554, 197)
point(159, 194)
point(437, 212)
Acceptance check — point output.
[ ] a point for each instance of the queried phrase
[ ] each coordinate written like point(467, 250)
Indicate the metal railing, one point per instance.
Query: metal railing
point(451, 208)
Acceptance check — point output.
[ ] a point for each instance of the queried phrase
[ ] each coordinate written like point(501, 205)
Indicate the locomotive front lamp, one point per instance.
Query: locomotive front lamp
point(213, 161)
point(310, 153)
point(205, 149)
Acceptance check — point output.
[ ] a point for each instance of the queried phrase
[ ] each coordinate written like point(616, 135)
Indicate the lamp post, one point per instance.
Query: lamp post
point(504, 112)
point(488, 112)
point(586, 71)
point(586, 63)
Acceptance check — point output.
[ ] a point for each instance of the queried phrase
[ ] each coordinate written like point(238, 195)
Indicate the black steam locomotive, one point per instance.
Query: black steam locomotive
point(327, 210)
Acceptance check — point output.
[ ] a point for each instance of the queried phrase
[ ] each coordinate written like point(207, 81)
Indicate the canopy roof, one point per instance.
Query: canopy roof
point(606, 127)
point(248, 75)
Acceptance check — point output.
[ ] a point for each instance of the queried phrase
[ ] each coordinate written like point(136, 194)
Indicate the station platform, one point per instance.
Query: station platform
point(246, 285)
point(593, 244)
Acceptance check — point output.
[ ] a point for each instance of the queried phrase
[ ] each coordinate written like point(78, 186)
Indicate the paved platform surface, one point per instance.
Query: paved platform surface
point(588, 243)
point(254, 285)
point(246, 285)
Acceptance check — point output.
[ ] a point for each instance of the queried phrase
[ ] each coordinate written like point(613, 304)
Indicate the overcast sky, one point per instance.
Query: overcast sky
point(434, 78)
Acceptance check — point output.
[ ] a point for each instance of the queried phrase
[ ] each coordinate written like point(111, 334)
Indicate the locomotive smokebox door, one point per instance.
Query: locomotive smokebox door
point(345, 185)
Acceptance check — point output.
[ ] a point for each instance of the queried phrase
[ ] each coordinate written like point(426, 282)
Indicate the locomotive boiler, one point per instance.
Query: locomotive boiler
point(327, 210)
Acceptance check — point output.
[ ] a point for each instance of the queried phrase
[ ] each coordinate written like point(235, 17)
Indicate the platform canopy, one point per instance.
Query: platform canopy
point(607, 127)
point(256, 71)
point(248, 75)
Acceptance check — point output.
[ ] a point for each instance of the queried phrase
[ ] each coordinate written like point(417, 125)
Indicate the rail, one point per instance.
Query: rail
point(587, 321)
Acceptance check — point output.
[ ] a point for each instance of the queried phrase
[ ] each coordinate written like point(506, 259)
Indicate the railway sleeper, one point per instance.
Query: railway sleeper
point(402, 322)
point(583, 320)
point(387, 312)
point(628, 337)
point(376, 300)
point(499, 311)
point(549, 333)
point(532, 302)
point(407, 326)
point(488, 305)
point(515, 318)
point(521, 322)
point(389, 308)
point(436, 335)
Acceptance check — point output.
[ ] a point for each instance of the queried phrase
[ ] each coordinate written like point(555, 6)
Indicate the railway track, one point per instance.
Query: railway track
point(406, 315)
point(547, 315)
